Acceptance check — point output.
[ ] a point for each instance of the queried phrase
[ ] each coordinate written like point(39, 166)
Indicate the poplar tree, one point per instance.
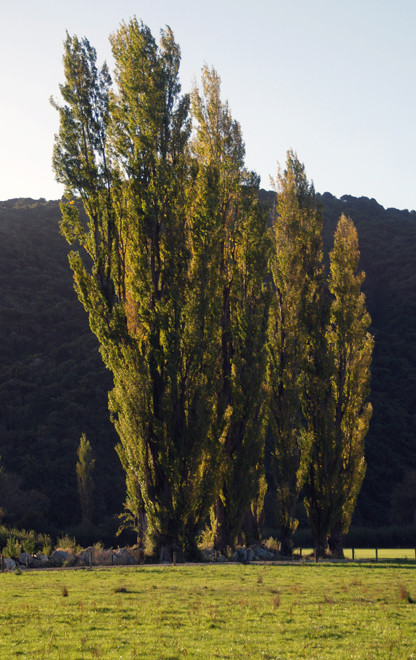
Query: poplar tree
point(335, 395)
point(351, 346)
point(296, 271)
point(141, 273)
point(85, 468)
point(219, 150)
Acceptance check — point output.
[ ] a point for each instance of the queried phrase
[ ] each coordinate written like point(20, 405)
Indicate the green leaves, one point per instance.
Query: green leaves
point(296, 269)
point(79, 153)
point(351, 347)
point(144, 272)
point(170, 262)
point(228, 195)
point(84, 469)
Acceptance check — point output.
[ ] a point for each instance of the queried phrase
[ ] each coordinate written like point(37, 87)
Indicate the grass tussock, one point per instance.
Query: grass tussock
point(405, 594)
point(276, 601)
point(120, 590)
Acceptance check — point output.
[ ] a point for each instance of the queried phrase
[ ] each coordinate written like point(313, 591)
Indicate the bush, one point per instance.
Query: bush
point(28, 542)
point(12, 548)
point(271, 543)
point(67, 543)
point(12, 539)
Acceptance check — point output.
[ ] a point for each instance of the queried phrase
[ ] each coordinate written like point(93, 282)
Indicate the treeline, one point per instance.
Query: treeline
point(207, 352)
point(213, 328)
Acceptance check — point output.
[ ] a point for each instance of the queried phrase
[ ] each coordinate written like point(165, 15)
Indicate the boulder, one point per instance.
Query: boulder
point(208, 554)
point(40, 561)
point(61, 558)
point(123, 557)
point(86, 557)
point(9, 564)
point(138, 554)
point(25, 559)
point(262, 554)
point(242, 554)
point(101, 557)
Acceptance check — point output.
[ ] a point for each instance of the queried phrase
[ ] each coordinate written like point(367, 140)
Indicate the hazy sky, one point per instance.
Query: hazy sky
point(332, 79)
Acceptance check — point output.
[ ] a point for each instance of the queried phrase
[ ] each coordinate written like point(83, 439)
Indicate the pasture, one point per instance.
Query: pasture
point(352, 610)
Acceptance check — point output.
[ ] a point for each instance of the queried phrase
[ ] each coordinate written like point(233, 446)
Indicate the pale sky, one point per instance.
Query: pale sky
point(332, 79)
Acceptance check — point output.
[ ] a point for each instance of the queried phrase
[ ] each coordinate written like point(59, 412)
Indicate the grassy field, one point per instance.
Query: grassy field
point(211, 611)
point(384, 554)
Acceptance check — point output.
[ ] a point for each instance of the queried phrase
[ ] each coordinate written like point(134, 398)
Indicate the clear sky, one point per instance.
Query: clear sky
point(332, 79)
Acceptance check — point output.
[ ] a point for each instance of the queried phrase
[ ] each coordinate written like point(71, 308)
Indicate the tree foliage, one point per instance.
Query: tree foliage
point(296, 271)
point(341, 372)
point(171, 267)
point(351, 347)
point(143, 282)
point(242, 303)
point(85, 481)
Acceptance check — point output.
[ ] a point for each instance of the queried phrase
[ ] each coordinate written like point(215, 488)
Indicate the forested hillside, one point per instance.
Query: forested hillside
point(53, 386)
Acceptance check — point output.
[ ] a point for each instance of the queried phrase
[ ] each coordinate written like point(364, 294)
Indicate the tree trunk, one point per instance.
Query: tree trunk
point(320, 548)
point(335, 542)
point(166, 551)
point(250, 528)
point(141, 526)
point(286, 546)
point(222, 537)
point(191, 552)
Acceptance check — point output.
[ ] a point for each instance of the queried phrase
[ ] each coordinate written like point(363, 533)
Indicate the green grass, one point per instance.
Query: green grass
point(211, 611)
point(384, 554)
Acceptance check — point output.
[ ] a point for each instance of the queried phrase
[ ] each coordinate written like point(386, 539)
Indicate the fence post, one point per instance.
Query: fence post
point(90, 558)
point(352, 553)
point(2, 563)
point(300, 552)
point(376, 554)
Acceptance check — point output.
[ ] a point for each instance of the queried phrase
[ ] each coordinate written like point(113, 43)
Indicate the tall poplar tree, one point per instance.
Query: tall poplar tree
point(351, 346)
point(141, 273)
point(219, 150)
point(296, 270)
point(335, 395)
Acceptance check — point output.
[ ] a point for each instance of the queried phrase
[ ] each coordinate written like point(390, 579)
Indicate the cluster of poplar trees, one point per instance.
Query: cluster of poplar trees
point(215, 326)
